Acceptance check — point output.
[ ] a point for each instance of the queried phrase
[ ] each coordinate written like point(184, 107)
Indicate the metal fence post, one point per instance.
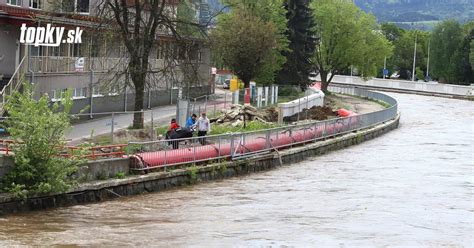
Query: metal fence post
point(152, 127)
point(268, 140)
point(194, 154)
point(299, 108)
point(149, 98)
point(307, 106)
point(219, 148)
point(231, 146)
point(325, 129)
point(112, 128)
point(225, 99)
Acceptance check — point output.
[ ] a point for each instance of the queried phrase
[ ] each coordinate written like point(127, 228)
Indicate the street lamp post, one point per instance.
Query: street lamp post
point(428, 61)
point(414, 58)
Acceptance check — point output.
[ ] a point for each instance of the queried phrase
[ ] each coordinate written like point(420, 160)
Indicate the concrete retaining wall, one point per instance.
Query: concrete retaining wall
point(103, 169)
point(153, 182)
point(315, 98)
point(435, 88)
point(6, 165)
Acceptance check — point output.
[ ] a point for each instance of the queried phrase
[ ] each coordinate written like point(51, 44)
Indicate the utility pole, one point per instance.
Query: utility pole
point(384, 66)
point(414, 59)
point(428, 62)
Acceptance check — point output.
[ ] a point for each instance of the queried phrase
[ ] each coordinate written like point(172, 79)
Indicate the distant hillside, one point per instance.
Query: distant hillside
point(419, 10)
point(419, 14)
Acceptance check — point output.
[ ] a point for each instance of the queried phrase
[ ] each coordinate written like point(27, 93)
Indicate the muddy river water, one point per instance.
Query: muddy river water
point(411, 187)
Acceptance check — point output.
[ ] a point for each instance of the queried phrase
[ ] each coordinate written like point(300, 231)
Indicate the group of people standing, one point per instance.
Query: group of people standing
point(202, 125)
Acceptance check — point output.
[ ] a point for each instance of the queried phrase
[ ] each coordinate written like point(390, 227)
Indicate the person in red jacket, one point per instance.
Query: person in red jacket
point(173, 125)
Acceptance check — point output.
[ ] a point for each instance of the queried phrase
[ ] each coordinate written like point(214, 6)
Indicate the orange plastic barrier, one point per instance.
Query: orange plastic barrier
point(345, 113)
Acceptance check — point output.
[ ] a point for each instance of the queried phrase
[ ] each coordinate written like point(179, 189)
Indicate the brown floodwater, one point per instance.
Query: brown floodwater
point(410, 187)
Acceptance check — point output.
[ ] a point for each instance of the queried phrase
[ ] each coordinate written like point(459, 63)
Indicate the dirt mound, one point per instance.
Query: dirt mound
point(315, 113)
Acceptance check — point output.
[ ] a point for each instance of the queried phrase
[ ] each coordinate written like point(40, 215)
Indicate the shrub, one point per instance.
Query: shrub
point(288, 91)
point(38, 133)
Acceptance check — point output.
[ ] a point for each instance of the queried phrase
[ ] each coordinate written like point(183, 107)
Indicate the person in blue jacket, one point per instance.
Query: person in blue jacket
point(191, 121)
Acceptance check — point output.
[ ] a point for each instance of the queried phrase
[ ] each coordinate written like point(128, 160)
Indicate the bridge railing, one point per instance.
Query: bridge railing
point(164, 153)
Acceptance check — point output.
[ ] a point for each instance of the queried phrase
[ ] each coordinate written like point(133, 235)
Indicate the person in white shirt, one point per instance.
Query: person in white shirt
point(203, 126)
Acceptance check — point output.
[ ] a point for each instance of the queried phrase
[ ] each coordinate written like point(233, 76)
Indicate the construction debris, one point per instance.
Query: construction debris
point(240, 113)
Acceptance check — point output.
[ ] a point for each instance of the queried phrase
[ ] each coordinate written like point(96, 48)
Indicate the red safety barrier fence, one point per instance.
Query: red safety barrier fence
point(163, 153)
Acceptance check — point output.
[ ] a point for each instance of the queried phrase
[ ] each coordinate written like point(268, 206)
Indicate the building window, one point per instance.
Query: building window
point(78, 6)
point(96, 92)
point(36, 50)
point(67, 5)
point(76, 50)
point(14, 2)
point(113, 90)
point(96, 50)
point(82, 6)
point(58, 94)
point(35, 4)
point(54, 51)
point(79, 93)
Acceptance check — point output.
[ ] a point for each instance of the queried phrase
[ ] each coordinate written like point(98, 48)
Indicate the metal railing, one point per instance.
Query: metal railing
point(13, 84)
point(164, 153)
point(84, 152)
point(438, 88)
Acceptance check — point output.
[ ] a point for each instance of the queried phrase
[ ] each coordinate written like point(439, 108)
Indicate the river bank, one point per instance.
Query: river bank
point(153, 182)
point(276, 147)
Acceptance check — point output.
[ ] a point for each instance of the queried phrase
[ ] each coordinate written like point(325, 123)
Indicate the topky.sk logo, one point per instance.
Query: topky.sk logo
point(49, 35)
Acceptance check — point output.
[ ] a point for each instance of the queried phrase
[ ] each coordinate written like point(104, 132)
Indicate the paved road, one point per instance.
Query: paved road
point(102, 125)
point(161, 116)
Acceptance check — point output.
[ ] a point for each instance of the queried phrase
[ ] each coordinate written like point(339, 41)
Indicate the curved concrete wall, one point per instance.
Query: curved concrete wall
point(316, 98)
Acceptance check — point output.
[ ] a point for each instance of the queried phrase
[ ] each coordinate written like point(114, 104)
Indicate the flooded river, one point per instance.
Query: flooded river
point(411, 187)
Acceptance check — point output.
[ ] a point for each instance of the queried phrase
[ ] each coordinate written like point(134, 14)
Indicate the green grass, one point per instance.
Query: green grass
point(161, 130)
point(250, 126)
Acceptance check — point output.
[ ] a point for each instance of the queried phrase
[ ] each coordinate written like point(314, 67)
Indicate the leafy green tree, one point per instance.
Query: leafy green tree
point(404, 46)
point(270, 11)
point(391, 31)
point(447, 52)
point(38, 134)
point(348, 36)
point(244, 42)
point(301, 33)
point(187, 24)
point(466, 54)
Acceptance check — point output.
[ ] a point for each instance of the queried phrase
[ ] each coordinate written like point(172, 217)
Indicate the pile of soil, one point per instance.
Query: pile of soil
point(315, 113)
point(271, 114)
